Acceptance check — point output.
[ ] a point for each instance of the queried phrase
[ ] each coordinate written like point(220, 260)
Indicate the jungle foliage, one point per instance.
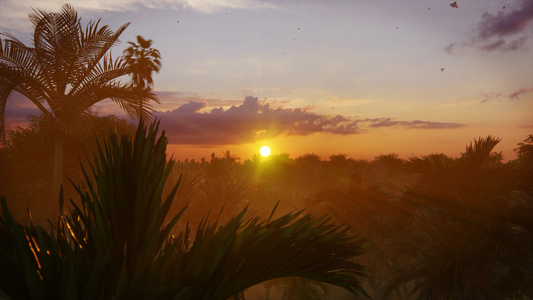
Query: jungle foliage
point(117, 244)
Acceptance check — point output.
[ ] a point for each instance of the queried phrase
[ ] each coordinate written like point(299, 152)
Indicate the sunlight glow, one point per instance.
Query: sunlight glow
point(265, 151)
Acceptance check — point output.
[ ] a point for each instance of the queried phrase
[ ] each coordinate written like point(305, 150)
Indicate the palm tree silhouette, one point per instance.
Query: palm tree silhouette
point(68, 70)
point(470, 233)
point(143, 61)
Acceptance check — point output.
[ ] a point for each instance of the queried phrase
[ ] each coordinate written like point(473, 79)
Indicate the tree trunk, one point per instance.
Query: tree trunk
point(57, 178)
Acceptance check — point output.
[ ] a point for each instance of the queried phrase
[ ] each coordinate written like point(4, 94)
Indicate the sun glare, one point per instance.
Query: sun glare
point(265, 151)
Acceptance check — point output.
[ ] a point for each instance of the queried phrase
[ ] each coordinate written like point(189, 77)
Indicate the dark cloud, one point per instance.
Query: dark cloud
point(504, 23)
point(514, 95)
point(252, 120)
point(495, 30)
point(191, 107)
point(502, 31)
point(176, 99)
point(246, 122)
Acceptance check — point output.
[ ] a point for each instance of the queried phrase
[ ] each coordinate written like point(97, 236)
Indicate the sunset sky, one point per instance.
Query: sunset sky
point(361, 77)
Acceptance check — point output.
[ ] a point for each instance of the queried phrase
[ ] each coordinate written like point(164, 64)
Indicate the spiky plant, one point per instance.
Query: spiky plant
point(117, 245)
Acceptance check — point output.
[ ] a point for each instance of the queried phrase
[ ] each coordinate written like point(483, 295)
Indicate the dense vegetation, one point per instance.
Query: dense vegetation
point(438, 227)
point(467, 217)
point(116, 243)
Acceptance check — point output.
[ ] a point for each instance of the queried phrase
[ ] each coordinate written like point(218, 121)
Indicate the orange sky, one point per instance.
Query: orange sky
point(362, 78)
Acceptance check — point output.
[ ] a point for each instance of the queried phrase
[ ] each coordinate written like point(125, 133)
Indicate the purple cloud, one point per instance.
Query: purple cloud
point(494, 29)
point(191, 107)
point(503, 24)
point(500, 31)
point(252, 120)
point(514, 95)
point(246, 122)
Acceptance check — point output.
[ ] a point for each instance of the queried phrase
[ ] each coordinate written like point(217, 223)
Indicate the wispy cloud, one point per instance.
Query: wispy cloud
point(416, 124)
point(17, 18)
point(489, 96)
point(514, 95)
point(253, 120)
point(211, 6)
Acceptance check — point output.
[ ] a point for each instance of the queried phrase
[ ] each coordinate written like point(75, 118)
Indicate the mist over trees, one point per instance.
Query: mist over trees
point(418, 215)
point(132, 224)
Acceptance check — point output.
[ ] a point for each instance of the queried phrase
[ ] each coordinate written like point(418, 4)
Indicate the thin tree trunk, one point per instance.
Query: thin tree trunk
point(57, 178)
point(141, 111)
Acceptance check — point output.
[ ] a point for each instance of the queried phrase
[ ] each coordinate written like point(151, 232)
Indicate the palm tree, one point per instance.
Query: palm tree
point(68, 70)
point(470, 236)
point(525, 148)
point(143, 61)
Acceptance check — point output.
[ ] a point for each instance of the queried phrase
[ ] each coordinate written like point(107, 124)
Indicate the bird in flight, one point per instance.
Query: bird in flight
point(454, 4)
point(442, 69)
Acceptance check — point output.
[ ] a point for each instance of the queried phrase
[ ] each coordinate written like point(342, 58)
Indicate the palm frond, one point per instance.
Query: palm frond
point(65, 70)
point(117, 244)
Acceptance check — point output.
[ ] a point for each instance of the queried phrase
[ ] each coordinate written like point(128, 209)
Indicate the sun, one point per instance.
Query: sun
point(265, 151)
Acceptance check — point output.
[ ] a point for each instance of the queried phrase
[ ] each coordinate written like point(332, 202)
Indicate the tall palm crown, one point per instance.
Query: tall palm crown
point(68, 70)
point(143, 61)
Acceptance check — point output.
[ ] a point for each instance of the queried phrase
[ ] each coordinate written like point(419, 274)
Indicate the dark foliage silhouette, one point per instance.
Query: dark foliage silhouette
point(117, 245)
point(26, 158)
point(470, 236)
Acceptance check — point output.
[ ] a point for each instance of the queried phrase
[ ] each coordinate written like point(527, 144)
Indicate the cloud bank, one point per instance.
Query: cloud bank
point(252, 121)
